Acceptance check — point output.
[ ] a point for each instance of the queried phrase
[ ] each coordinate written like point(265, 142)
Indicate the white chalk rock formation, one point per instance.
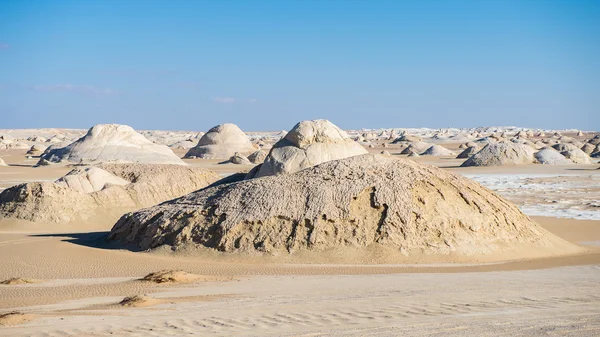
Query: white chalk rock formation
point(90, 179)
point(577, 156)
point(437, 151)
point(257, 157)
point(222, 142)
point(417, 147)
point(362, 203)
point(101, 194)
point(309, 143)
point(550, 156)
point(239, 159)
point(113, 143)
point(502, 153)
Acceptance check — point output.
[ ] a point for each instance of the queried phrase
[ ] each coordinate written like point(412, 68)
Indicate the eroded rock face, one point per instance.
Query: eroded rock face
point(308, 144)
point(222, 142)
point(101, 193)
point(113, 143)
point(354, 202)
point(502, 153)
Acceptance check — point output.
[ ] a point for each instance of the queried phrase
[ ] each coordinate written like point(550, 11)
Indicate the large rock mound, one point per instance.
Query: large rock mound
point(502, 153)
point(113, 143)
point(309, 143)
point(550, 156)
point(101, 193)
point(222, 142)
point(358, 202)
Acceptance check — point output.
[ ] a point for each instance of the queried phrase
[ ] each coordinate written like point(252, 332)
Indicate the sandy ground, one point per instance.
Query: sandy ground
point(78, 282)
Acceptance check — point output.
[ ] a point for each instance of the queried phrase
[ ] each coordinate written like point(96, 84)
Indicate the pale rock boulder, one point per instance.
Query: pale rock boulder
point(402, 209)
point(113, 143)
point(2, 162)
point(438, 151)
point(502, 153)
point(577, 156)
point(91, 179)
point(309, 143)
point(222, 142)
point(550, 156)
point(258, 157)
point(239, 159)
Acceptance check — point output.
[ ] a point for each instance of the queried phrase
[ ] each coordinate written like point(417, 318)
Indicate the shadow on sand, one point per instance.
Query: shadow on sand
point(91, 239)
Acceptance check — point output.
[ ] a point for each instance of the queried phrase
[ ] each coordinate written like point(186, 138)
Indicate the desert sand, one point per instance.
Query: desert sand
point(70, 281)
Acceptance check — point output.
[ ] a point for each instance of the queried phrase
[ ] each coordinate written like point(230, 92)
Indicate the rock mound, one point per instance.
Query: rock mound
point(75, 198)
point(222, 142)
point(113, 143)
point(18, 280)
point(239, 159)
point(258, 157)
point(550, 156)
point(2, 162)
point(138, 301)
point(577, 156)
point(366, 201)
point(89, 179)
point(502, 153)
point(468, 152)
point(15, 318)
point(309, 143)
point(437, 151)
point(171, 276)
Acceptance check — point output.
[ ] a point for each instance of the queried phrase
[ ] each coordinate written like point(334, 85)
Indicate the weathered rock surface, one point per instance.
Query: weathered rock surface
point(367, 200)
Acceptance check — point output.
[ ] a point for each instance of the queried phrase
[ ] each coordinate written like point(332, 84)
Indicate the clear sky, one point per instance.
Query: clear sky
point(266, 65)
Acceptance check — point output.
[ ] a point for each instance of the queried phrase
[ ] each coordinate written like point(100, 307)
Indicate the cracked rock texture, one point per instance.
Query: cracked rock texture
point(354, 202)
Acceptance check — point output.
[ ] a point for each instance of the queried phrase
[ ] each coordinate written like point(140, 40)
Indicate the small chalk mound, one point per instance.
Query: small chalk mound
point(138, 301)
point(170, 276)
point(18, 280)
point(14, 318)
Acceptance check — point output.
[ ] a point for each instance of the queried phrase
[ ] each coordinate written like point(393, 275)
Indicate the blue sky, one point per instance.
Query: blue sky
point(266, 65)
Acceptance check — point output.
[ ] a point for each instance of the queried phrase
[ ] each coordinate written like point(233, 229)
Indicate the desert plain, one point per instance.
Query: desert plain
point(86, 251)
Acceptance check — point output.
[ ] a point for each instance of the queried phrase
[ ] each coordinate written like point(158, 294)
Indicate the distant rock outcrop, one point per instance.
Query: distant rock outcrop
point(113, 143)
point(502, 153)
